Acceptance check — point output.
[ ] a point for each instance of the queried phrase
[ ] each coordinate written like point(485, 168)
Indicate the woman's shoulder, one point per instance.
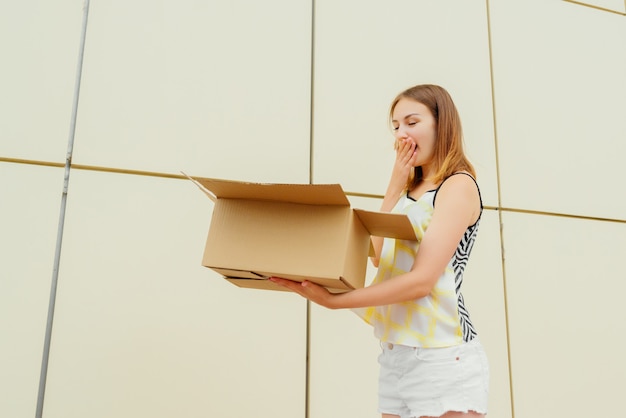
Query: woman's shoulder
point(459, 187)
point(461, 174)
point(462, 179)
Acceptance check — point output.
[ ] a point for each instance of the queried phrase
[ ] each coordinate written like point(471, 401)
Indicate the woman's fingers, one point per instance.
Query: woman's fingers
point(307, 289)
point(289, 284)
point(405, 156)
point(406, 149)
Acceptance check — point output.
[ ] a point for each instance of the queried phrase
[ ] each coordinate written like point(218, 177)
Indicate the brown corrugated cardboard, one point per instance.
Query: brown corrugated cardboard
point(295, 231)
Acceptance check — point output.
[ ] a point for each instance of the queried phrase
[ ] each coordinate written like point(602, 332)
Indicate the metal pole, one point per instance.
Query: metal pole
point(57, 256)
point(307, 388)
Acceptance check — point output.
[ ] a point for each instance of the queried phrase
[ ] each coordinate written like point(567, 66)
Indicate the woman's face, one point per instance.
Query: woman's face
point(412, 121)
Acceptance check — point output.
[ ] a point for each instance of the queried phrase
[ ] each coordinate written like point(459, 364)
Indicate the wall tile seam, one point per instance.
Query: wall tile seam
point(503, 263)
point(602, 9)
point(348, 193)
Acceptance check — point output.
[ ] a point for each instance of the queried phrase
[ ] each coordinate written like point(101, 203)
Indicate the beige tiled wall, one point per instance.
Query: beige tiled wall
point(560, 95)
point(219, 89)
point(28, 227)
point(284, 91)
point(143, 330)
point(565, 314)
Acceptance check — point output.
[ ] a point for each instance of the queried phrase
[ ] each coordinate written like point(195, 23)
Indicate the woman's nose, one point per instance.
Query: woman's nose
point(400, 133)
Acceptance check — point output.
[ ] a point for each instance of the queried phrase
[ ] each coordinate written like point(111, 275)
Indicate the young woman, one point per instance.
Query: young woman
point(432, 364)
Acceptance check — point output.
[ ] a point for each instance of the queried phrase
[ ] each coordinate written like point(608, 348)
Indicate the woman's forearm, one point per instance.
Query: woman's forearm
point(389, 202)
point(407, 286)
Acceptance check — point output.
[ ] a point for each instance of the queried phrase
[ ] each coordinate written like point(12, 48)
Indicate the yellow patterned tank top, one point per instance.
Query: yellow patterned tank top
point(438, 319)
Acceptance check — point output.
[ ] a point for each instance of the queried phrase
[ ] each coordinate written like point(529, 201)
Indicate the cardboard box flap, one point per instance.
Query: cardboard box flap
point(201, 187)
point(308, 194)
point(384, 224)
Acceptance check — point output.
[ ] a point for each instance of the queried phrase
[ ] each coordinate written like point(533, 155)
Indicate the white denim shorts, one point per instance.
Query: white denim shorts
point(417, 382)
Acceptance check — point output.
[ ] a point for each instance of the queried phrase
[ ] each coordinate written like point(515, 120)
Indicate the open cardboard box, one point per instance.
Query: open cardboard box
point(295, 231)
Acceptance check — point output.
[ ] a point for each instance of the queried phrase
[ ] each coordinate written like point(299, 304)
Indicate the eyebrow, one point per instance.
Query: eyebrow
point(408, 116)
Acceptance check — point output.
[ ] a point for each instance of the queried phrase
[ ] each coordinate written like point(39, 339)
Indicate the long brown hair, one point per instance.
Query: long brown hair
point(448, 154)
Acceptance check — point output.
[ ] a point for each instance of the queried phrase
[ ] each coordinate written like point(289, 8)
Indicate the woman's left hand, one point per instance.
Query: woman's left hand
point(307, 289)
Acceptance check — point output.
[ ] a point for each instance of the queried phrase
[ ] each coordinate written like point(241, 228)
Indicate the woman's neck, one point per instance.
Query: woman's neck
point(427, 171)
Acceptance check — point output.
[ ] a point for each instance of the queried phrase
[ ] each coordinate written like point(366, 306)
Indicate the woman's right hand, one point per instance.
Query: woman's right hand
point(404, 164)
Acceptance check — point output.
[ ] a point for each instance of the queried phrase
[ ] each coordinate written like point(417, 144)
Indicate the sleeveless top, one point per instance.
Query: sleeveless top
point(440, 318)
